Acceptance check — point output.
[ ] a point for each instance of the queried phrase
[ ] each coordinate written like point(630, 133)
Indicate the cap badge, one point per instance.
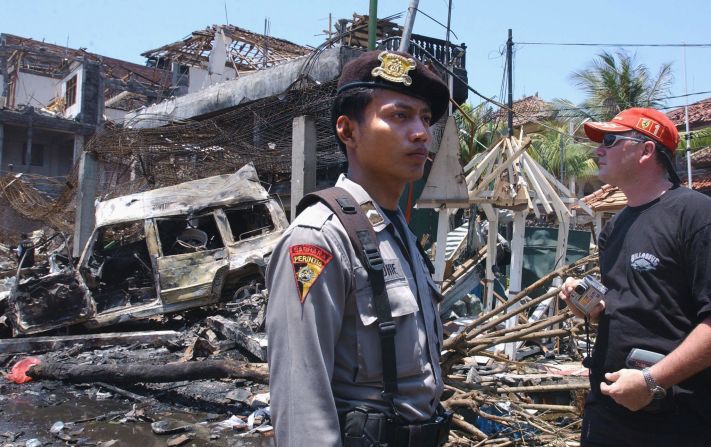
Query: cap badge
point(394, 67)
point(649, 126)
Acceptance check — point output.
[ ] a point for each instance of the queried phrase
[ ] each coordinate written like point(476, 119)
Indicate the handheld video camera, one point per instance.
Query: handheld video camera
point(587, 294)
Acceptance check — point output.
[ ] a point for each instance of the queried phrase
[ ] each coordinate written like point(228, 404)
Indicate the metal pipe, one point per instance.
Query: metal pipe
point(509, 71)
point(372, 24)
point(686, 119)
point(409, 23)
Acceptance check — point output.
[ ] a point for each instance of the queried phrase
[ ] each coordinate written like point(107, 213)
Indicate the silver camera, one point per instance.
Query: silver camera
point(587, 294)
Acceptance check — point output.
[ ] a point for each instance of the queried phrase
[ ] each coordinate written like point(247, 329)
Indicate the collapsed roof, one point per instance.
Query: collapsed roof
point(247, 51)
point(45, 59)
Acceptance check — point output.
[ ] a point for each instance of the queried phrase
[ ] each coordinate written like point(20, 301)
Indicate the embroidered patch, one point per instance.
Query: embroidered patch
point(644, 262)
point(308, 261)
point(649, 126)
point(372, 214)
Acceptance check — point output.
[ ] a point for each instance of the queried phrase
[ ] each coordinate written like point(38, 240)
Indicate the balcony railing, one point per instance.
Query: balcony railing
point(443, 52)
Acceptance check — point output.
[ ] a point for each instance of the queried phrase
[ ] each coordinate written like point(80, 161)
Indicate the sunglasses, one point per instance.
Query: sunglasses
point(611, 139)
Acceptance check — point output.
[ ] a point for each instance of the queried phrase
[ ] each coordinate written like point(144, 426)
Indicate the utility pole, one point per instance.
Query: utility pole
point(372, 24)
point(409, 23)
point(687, 137)
point(509, 74)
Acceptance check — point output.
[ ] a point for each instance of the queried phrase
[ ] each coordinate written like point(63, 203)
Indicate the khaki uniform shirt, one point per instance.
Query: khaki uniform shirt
point(324, 347)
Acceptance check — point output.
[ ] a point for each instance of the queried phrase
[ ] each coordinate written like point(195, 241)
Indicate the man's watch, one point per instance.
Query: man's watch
point(655, 390)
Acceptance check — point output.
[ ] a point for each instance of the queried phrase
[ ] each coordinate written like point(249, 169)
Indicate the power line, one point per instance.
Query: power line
point(437, 22)
point(564, 109)
point(664, 45)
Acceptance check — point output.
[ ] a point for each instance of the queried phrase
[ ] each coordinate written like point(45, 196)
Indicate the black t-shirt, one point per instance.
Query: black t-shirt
point(654, 260)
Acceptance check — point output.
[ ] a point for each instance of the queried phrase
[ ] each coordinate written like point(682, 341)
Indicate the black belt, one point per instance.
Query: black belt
point(363, 428)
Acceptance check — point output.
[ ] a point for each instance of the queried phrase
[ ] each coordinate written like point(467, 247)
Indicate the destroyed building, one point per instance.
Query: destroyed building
point(53, 99)
point(216, 129)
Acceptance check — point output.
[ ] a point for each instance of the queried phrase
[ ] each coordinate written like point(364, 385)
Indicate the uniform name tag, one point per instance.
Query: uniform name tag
point(392, 270)
point(308, 261)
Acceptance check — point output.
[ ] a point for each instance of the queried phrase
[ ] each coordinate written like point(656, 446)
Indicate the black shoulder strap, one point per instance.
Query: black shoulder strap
point(365, 244)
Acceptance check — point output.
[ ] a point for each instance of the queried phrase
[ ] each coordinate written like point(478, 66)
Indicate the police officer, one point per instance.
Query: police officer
point(26, 251)
point(326, 371)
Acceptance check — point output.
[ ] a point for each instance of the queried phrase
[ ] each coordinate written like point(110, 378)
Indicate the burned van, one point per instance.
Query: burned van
point(159, 251)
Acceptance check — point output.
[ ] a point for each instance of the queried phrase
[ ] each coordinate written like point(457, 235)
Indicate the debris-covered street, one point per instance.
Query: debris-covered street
point(199, 377)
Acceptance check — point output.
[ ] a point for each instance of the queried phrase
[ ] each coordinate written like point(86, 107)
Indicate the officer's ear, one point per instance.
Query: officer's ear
point(345, 130)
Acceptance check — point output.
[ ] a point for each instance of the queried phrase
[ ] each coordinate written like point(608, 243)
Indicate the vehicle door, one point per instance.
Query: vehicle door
point(191, 259)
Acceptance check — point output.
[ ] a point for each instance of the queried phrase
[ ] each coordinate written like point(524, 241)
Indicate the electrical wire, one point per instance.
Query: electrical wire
point(663, 45)
point(436, 21)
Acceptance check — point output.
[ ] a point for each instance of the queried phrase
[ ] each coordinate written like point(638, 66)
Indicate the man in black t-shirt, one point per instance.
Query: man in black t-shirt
point(654, 260)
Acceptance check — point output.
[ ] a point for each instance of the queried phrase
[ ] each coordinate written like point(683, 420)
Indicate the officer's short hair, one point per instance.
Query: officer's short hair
point(351, 103)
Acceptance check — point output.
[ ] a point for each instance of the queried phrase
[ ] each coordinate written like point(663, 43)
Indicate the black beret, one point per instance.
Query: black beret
point(399, 72)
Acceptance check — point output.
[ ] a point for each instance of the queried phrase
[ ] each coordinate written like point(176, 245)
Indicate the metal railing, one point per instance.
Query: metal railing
point(446, 53)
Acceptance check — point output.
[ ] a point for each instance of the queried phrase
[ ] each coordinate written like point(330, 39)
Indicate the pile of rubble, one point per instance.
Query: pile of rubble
point(504, 402)
point(211, 360)
point(195, 376)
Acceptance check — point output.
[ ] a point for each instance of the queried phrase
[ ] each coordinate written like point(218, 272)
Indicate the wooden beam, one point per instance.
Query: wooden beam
point(252, 343)
point(133, 373)
point(45, 344)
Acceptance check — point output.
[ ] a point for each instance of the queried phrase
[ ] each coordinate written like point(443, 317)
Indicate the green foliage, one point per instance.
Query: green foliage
point(547, 146)
point(477, 130)
point(614, 82)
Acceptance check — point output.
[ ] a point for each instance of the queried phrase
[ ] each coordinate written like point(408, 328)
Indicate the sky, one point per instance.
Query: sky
point(124, 29)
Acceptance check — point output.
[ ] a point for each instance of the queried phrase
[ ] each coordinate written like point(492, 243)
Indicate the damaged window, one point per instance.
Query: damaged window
point(249, 221)
point(119, 269)
point(184, 234)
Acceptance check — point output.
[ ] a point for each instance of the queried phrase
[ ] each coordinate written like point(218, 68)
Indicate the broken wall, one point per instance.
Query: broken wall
point(53, 151)
point(35, 90)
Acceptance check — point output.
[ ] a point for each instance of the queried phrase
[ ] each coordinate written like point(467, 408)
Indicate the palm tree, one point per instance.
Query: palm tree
point(614, 82)
point(554, 143)
point(477, 129)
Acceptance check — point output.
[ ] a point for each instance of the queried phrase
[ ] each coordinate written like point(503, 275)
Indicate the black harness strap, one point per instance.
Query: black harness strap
point(365, 243)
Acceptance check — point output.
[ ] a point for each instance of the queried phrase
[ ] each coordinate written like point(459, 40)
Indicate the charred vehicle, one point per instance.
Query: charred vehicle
point(159, 251)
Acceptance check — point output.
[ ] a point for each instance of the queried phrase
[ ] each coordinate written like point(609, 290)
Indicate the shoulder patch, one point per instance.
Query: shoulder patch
point(308, 261)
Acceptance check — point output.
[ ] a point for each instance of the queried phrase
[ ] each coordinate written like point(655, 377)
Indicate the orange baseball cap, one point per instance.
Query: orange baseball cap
point(649, 122)
point(652, 123)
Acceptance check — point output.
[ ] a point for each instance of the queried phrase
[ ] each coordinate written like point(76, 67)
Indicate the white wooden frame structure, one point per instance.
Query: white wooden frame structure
point(505, 176)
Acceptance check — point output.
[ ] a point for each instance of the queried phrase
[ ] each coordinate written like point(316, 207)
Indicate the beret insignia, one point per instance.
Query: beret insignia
point(394, 67)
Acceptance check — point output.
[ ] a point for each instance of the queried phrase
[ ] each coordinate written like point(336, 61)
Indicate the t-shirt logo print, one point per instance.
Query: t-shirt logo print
point(644, 262)
point(308, 261)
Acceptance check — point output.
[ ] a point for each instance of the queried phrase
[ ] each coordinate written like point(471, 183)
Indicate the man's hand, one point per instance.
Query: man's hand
point(566, 289)
point(627, 388)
